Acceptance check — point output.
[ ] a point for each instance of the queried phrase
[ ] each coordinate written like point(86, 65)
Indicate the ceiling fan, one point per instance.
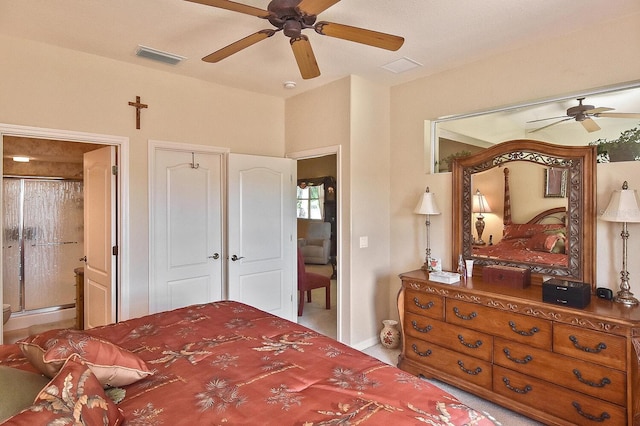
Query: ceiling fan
point(585, 114)
point(291, 17)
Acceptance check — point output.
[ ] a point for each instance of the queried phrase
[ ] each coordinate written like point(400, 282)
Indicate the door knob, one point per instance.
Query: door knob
point(215, 256)
point(234, 257)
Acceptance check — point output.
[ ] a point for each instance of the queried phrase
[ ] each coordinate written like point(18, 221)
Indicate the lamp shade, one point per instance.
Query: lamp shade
point(427, 204)
point(623, 206)
point(480, 204)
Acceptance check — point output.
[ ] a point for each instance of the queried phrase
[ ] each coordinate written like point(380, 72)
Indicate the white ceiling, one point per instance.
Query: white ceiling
point(440, 35)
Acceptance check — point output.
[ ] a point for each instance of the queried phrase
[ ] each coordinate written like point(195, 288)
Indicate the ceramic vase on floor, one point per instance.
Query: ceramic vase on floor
point(390, 335)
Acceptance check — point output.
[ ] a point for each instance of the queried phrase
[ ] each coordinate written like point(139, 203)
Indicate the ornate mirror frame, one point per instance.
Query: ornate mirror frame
point(580, 162)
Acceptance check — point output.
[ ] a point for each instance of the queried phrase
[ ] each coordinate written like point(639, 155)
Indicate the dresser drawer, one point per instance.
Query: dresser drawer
point(521, 328)
point(425, 304)
point(590, 345)
point(449, 362)
point(450, 336)
point(573, 406)
point(586, 377)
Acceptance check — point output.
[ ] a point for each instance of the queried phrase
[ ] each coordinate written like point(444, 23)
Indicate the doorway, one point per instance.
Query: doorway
point(322, 167)
point(51, 168)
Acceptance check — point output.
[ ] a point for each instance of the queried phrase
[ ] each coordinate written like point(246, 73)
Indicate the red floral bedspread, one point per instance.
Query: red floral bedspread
point(228, 363)
point(516, 250)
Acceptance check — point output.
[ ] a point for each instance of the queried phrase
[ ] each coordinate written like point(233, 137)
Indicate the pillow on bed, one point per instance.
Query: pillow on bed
point(528, 230)
point(111, 364)
point(73, 397)
point(18, 389)
point(550, 243)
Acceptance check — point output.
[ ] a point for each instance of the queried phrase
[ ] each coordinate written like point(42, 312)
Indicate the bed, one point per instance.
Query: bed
point(220, 363)
point(541, 240)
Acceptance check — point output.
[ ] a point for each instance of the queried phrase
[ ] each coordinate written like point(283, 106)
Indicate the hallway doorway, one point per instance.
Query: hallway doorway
point(320, 171)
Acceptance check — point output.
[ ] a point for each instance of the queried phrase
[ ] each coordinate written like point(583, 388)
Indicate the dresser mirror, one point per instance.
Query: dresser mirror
point(549, 227)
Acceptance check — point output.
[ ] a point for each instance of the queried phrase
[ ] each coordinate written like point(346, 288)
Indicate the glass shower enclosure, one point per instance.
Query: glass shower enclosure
point(42, 243)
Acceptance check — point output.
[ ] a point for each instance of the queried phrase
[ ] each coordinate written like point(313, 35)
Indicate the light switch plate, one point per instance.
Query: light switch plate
point(364, 242)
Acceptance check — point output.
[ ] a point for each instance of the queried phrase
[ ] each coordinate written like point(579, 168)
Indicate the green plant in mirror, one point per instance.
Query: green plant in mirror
point(624, 148)
point(446, 161)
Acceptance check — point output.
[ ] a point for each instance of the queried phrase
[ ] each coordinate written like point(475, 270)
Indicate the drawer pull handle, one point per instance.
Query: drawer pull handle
point(469, 345)
point(601, 346)
point(604, 416)
point(475, 372)
point(523, 391)
point(531, 332)
point(605, 381)
point(421, 330)
point(425, 353)
point(469, 317)
point(527, 359)
point(420, 305)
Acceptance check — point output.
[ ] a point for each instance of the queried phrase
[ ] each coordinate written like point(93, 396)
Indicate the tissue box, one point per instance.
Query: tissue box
point(507, 275)
point(567, 293)
point(444, 277)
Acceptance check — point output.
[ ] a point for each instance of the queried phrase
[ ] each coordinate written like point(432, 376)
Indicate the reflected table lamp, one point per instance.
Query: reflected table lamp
point(480, 206)
point(427, 206)
point(623, 208)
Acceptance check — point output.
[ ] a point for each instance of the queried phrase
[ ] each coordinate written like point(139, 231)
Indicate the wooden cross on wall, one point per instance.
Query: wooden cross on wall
point(138, 107)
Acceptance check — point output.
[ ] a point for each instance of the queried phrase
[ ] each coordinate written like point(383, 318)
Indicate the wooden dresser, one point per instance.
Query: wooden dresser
point(558, 365)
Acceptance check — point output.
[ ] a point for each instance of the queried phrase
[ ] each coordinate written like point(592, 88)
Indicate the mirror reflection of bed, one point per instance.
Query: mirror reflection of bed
point(529, 194)
point(525, 223)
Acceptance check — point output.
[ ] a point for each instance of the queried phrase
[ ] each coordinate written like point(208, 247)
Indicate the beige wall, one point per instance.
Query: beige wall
point(567, 65)
point(43, 86)
point(353, 114)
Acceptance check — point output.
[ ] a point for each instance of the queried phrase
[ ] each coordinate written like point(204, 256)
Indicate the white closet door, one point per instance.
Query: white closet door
point(262, 239)
point(186, 229)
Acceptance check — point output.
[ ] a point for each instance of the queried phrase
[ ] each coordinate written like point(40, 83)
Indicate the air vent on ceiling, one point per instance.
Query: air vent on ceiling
point(401, 65)
point(158, 55)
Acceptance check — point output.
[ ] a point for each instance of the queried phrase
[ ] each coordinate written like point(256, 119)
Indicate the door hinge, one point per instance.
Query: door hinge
point(114, 250)
point(114, 170)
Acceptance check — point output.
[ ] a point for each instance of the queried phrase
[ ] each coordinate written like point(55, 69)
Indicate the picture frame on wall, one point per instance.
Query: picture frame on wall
point(555, 182)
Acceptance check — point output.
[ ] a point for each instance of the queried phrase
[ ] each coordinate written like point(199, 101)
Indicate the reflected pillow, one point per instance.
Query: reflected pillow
point(528, 230)
point(111, 364)
point(73, 397)
point(18, 390)
point(549, 243)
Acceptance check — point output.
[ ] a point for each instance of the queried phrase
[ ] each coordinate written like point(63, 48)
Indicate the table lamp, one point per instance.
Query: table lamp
point(623, 208)
point(427, 206)
point(480, 206)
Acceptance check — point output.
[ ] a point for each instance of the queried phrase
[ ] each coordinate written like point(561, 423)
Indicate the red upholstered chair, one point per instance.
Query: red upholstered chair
point(307, 281)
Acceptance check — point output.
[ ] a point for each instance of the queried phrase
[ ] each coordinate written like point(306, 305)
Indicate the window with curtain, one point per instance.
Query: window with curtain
point(310, 201)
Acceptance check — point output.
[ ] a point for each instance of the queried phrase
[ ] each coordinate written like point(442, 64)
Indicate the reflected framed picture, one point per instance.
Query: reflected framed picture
point(555, 182)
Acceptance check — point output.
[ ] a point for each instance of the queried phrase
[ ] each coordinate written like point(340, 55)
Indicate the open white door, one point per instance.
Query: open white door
point(186, 229)
point(100, 237)
point(262, 233)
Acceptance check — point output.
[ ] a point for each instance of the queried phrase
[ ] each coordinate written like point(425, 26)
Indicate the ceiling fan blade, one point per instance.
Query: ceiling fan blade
point(590, 125)
point(548, 118)
point(549, 125)
point(598, 110)
point(235, 7)
point(618, 115)
point(238, 46)
point(359, 35)
point(304, 57)
point(315, 7)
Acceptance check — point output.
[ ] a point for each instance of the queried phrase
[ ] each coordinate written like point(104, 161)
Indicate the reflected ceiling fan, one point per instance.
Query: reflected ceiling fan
point(291, 17)
point(585, 114)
